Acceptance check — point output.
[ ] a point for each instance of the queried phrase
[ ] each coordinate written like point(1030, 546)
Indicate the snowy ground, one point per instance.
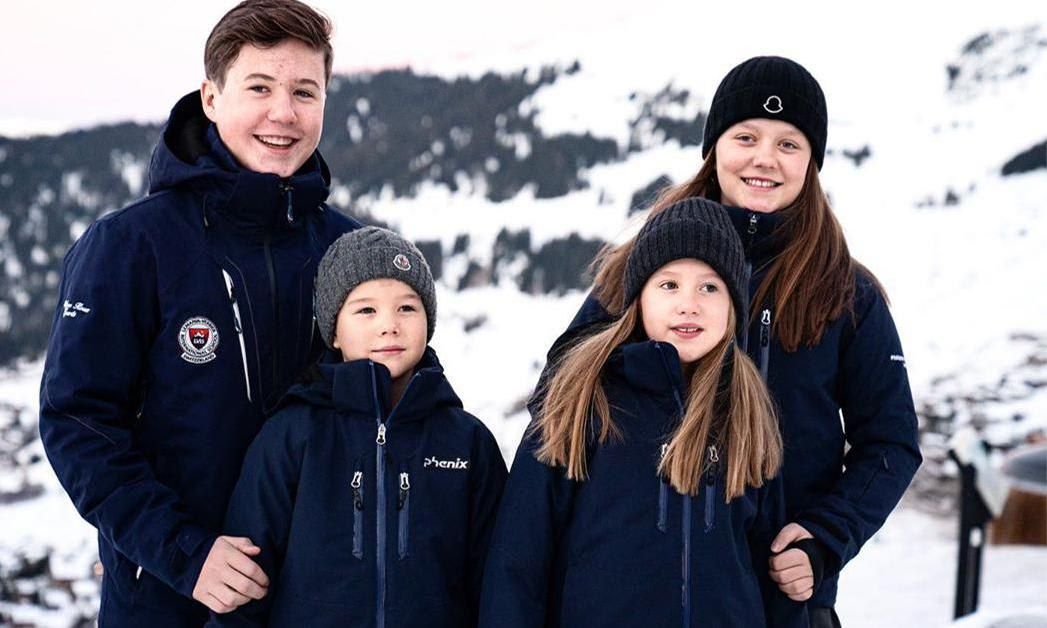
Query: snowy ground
point(905, 575)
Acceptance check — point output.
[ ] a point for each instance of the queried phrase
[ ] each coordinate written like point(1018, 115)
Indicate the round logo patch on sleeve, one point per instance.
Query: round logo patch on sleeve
point(198, 339)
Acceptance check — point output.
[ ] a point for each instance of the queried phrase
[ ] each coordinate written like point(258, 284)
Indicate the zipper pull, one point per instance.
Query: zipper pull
point(661, 457)
point(765, 328)
point(381, 434)
point(405, 486)
point(714, 460)
point(288, 189)
point(358, 480)
point(751, 234)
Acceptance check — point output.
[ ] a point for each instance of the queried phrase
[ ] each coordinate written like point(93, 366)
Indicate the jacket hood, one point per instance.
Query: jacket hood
point(191, 154)
point(362, 387)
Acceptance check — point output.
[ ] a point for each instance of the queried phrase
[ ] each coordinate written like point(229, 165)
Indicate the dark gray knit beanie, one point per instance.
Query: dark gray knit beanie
point(362, 255)
point(769, 87)
point(696, 228)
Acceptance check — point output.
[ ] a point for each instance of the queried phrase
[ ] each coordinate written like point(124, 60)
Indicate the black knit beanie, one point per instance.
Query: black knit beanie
point(362, 255)
point(769, 87)
point(691, 228)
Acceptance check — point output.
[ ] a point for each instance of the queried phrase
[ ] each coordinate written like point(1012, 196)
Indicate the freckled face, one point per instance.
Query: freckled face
point(270, 111)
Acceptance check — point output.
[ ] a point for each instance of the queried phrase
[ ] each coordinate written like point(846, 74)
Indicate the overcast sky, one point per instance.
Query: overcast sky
point(73, 63)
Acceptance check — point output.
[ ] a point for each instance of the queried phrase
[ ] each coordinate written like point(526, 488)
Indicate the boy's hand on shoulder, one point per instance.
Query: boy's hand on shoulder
point(229, 578)
point(792, 569)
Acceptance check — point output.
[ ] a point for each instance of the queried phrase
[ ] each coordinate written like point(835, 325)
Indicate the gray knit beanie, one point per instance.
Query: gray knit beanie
point(696, 228)
point(362, 255)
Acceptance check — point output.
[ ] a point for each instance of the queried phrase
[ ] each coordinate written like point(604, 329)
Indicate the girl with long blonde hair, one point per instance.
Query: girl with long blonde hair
point(645, 492)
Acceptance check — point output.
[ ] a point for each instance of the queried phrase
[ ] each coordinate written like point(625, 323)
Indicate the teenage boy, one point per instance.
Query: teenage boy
point(183, 318)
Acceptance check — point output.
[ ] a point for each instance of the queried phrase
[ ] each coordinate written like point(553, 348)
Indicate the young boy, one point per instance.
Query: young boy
point(192, 322)
point(371, 492)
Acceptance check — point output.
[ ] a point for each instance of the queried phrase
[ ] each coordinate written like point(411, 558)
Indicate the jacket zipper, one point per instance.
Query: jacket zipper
point(238, 325)
point(663, 497)
point(380, 492)
point(753, 220)
point(358, 514)
point(685, 591)
point(276, 314)
point(404, 506)
point(685, 563)
point(710, 487)
point(380, 443)
point(765, 343)
point(743, 338)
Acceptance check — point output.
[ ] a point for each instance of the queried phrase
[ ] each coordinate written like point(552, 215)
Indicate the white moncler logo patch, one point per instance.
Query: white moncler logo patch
point(198, 339)
point(773, 105)
point(401, 262)
point(457, 464)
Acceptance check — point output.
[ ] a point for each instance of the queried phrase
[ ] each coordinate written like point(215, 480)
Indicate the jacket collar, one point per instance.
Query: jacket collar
point(650, 366)
point(761, 233)
point(361, 389)
point(190, 153)
point(654, 368)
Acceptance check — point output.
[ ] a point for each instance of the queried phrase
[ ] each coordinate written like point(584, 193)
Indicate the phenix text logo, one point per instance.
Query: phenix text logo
point(457, 463)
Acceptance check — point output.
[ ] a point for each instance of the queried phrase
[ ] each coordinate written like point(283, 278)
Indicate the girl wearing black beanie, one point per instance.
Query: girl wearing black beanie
point(647, 490)
point(819, 326)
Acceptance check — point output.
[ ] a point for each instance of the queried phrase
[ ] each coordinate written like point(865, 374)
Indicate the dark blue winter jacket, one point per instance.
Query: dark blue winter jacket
point(366, 515)
point(623, 548)
point(856, 371)
point(181, 321)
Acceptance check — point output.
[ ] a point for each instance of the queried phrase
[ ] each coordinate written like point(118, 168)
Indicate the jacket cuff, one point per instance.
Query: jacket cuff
point(194, 544)
point(838, 547)
point(817, 553)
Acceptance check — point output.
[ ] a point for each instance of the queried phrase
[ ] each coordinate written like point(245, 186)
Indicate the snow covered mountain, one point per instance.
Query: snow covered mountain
point(511, 172)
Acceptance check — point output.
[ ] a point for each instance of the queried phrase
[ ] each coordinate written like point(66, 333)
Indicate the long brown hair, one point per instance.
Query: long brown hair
point(574, 403)
point(810, 284)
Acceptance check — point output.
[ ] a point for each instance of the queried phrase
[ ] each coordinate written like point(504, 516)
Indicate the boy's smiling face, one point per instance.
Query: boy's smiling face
point(270, 111)
point(383, 320)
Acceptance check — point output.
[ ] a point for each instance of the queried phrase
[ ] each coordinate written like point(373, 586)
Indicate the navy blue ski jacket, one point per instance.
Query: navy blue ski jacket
point(856, 371)
point(181, 320)
point(368, 515)
point(623, 548)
